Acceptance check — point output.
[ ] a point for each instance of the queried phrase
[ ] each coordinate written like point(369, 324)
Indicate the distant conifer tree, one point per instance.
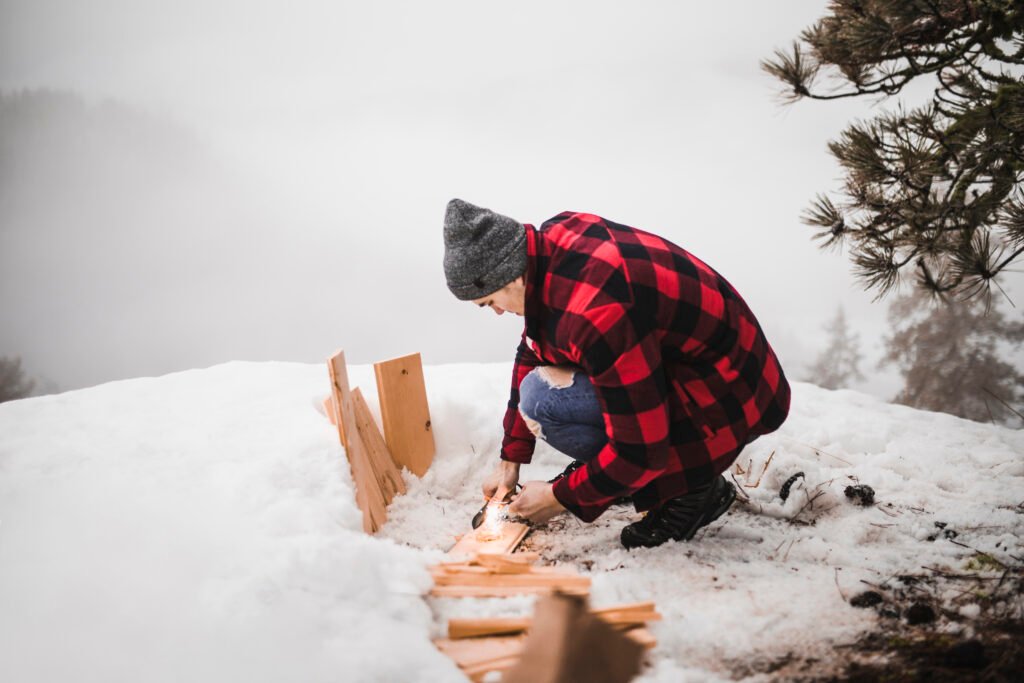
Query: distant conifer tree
point(839, 364)
point(952, 358)
point(13, 382)
point(937, 187)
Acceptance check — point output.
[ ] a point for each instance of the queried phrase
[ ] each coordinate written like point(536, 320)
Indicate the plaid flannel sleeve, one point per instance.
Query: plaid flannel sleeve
point(519, 442)
point(623, 361)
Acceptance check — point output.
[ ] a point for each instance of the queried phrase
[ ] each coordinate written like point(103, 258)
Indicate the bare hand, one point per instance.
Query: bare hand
point(536, 502)
point(501, 481)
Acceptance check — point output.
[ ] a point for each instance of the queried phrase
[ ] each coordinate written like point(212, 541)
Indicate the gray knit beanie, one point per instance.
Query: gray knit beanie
point(483, 250)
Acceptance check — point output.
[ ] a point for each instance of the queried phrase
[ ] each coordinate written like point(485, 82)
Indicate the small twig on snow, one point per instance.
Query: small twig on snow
point(785, 558)
point(817, 450)
point(739, 488)
point(838, 587)
point(763, 470)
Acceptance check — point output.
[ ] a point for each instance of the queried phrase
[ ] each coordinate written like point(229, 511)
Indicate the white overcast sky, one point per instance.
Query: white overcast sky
point(345, 127)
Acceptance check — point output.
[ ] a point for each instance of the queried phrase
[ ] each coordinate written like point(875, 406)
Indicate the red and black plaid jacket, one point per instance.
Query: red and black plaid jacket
point(682, 371)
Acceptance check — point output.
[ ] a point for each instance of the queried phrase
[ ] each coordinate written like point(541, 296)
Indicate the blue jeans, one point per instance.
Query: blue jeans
point(559, 405)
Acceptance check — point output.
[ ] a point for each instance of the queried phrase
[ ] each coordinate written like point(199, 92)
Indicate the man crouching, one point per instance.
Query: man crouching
point(637, 360)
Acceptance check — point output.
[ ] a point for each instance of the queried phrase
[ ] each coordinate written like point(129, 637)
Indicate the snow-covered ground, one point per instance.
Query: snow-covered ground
point(201, 526)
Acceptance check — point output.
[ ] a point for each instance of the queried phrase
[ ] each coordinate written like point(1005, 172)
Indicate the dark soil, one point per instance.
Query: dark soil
point(914, 639)
point(995, 653)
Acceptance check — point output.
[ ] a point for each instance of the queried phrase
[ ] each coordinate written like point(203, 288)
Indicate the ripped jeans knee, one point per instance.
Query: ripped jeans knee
point(559, 405)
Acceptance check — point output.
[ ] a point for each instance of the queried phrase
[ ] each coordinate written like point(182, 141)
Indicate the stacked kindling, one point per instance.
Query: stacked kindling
point(483, 645)
point(490, 575)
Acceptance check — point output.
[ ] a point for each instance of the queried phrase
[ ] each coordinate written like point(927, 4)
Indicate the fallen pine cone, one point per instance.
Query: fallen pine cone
point(861, 494)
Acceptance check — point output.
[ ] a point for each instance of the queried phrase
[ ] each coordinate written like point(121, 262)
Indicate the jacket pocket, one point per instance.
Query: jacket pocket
point(710, 417)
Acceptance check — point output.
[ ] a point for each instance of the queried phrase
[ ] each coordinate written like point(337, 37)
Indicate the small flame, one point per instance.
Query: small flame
point(494, 519)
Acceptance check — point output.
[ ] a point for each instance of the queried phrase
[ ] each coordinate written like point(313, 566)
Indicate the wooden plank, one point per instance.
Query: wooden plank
point(498, 591)
point(405, 413)
point(507, 563)
point(339, 385)
point(478, 543)
point(642, 635)
point(629, 607)
point(329, 410)
point(478, 657)
point(370, 497)
point(621, 616)
point(386, 473)
point(469, 572)
point(494, 563)
point(552, 581)
point(486, 626)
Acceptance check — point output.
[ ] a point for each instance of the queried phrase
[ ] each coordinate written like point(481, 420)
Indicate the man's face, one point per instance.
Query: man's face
point(511, 298)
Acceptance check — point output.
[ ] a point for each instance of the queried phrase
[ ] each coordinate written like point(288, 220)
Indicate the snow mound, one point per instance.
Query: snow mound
point(201, 526)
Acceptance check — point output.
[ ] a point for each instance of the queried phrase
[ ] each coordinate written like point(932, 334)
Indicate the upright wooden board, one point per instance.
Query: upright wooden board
point(375, 486)
point(405, 413)
point(338, 372)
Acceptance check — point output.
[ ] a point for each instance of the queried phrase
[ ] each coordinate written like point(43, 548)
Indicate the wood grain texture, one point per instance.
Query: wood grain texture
point(505, 591)
point(329, 410)
point(374, 474)
point(387, 474)
point(338, 372)
point(405, 413)
point(479, 656)
point(474, 583)
point(623, 617)
point(474, 543)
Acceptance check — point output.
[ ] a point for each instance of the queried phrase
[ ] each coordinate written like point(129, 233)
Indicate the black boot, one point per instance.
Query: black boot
point(680, 518)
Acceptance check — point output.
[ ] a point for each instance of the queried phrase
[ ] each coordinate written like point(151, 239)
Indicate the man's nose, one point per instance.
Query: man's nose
point(498, 310)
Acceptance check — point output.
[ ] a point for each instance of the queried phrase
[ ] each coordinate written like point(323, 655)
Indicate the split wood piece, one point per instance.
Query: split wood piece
point(338, 371)
point(470, 545)
point(473, 583)
point(405, 413)
point(468, 575)
point(623, 617)
point(374, 474)
point(641, 635)
point(476, 658)
point(329, 410)
point(504, 591)
point(386, 472)
point(501, 563)
point(567, 643)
